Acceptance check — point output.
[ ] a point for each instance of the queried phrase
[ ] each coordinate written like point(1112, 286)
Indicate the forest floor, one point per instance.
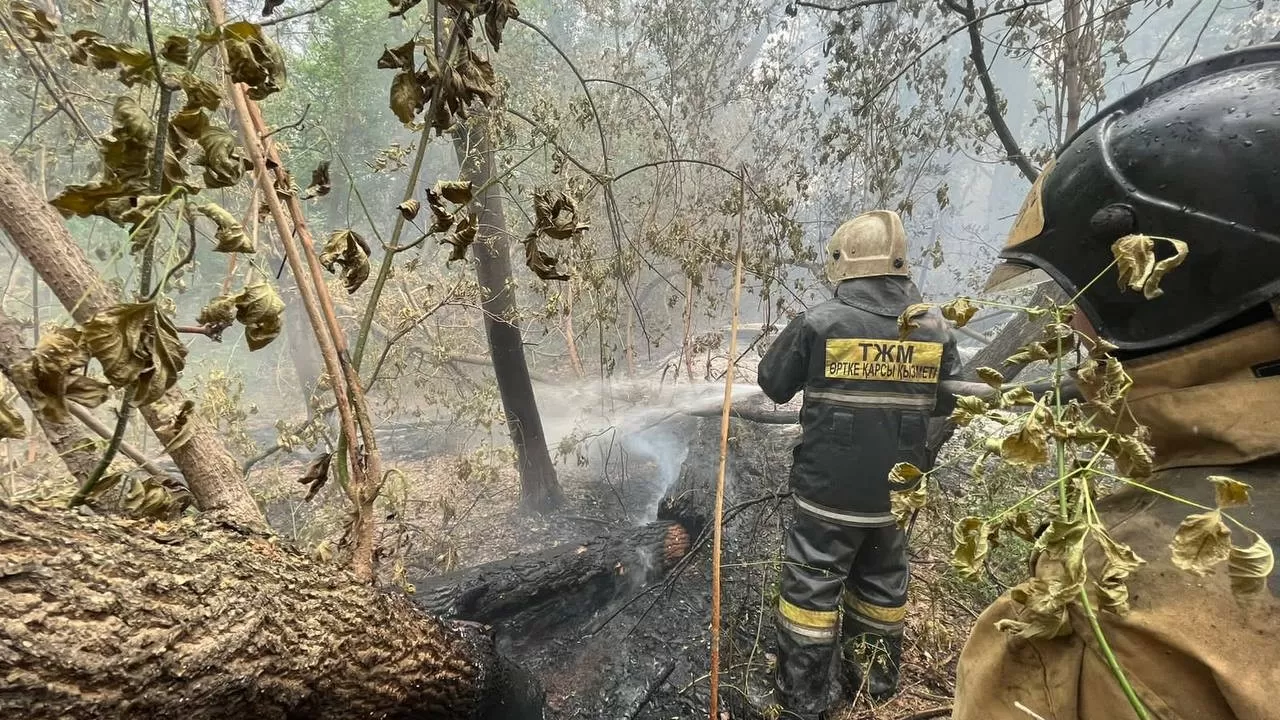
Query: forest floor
point(645, 657)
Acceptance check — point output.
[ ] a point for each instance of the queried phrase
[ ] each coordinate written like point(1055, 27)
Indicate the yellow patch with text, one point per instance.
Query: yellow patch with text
point(887, 360)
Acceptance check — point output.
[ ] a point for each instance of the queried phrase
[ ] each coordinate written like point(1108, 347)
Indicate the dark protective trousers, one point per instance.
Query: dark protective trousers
point(827, 568)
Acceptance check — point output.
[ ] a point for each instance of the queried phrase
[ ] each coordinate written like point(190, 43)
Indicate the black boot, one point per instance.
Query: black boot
point(871, 664)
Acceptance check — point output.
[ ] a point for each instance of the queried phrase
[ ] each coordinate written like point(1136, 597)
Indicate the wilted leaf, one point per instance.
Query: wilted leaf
point(967, 408)
point(1019, 395)
point(317, 475)
point(991, 377)
point(88, 199)
point(11, 424)
point(224, 164)
point(136, 343)
point(1249, 567)
point(1230, 493)
point(260, 310)
point(455, 191)
point(495, 19)
point(231, 236)
point(87, 391)
point(323, 552)
point(218, 315)
point(407, 97)
point(147, 498)
point(33, 23)
point(1029, 446)
point(409, 208)
point(971, 539)
point(181, 427)
point(1019, 524)
point(555, 215)
point(400, 7)
point(904, 473)
point(398, 58)
point(254, 59)
point(50, 376)
point(347, 249)
point(1121, 562)
point(1134, 458)
point(135, 65)
point(1201, 542)
point(908, 320)
point(461, 238)
point(1135, 259)
point(904, 503)
point(320, 185)
point(269, 6)
point(959, 311)
point(126, 151)
point(442, 219)
point(176, 49)
point(200, 94)
point(1044, 613)
point(542, 264)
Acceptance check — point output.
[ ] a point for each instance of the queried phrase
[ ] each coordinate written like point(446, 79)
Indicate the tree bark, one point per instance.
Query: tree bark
point(76, 447)
point(39, 233)
point(563, 582)
point(190, 621)
point(540, 490)
point(992, 99)
point(1071, 52)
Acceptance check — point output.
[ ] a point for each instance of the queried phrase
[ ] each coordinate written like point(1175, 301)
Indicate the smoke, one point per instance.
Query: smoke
point(666, 449)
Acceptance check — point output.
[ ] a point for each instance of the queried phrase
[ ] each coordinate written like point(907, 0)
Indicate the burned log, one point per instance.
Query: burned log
point(573, 580)
point(116, 618)
point(588, 574)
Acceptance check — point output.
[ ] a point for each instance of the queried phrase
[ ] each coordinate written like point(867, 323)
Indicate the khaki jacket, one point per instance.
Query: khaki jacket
point(1191, 650)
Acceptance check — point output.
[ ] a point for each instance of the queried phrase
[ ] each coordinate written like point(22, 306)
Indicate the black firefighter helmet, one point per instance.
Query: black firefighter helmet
point(1193, 156)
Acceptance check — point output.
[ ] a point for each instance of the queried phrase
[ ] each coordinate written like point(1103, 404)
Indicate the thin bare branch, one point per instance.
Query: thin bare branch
point(843, 8)
point(295, 15)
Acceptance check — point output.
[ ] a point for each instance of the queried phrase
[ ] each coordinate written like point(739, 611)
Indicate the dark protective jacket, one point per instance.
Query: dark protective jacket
point(867, 396)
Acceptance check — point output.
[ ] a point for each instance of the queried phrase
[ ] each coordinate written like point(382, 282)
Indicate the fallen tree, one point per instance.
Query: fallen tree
point(107, 617)
point(573, 580)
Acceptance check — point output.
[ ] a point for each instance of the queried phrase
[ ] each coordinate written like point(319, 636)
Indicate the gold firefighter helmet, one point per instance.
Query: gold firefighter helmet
point(874, 243)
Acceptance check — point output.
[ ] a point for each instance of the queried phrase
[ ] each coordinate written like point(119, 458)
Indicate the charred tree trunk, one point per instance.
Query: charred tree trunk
point(540, 489)
point(114, 618)
point(573, 580)
point(77, 448)
point(559, 583)
point(212, 473)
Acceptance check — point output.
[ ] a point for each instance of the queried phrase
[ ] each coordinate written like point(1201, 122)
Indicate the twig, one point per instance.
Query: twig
point(295, 123)
point(718, 517)
point(34, 128)
point(113, 445)
point(295, 15)
point(946, 36)
point(1027, 710)
point(846, 8)
point(930, 713)
point(1200, 35)
point(1160, 51)
point(129, 450)
point(651, 688)
point(978, 57)
point(198, 330)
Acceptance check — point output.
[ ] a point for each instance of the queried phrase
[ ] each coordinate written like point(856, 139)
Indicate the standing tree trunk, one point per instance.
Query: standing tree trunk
point(74, 446)
point(1071, 59)
point(571, 341)
point(189, 621)
point(540, 490)
point(212, 473)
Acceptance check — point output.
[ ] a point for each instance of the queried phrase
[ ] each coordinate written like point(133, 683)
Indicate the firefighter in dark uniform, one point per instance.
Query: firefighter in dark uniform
point(868, 397)
point(1193, 156)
